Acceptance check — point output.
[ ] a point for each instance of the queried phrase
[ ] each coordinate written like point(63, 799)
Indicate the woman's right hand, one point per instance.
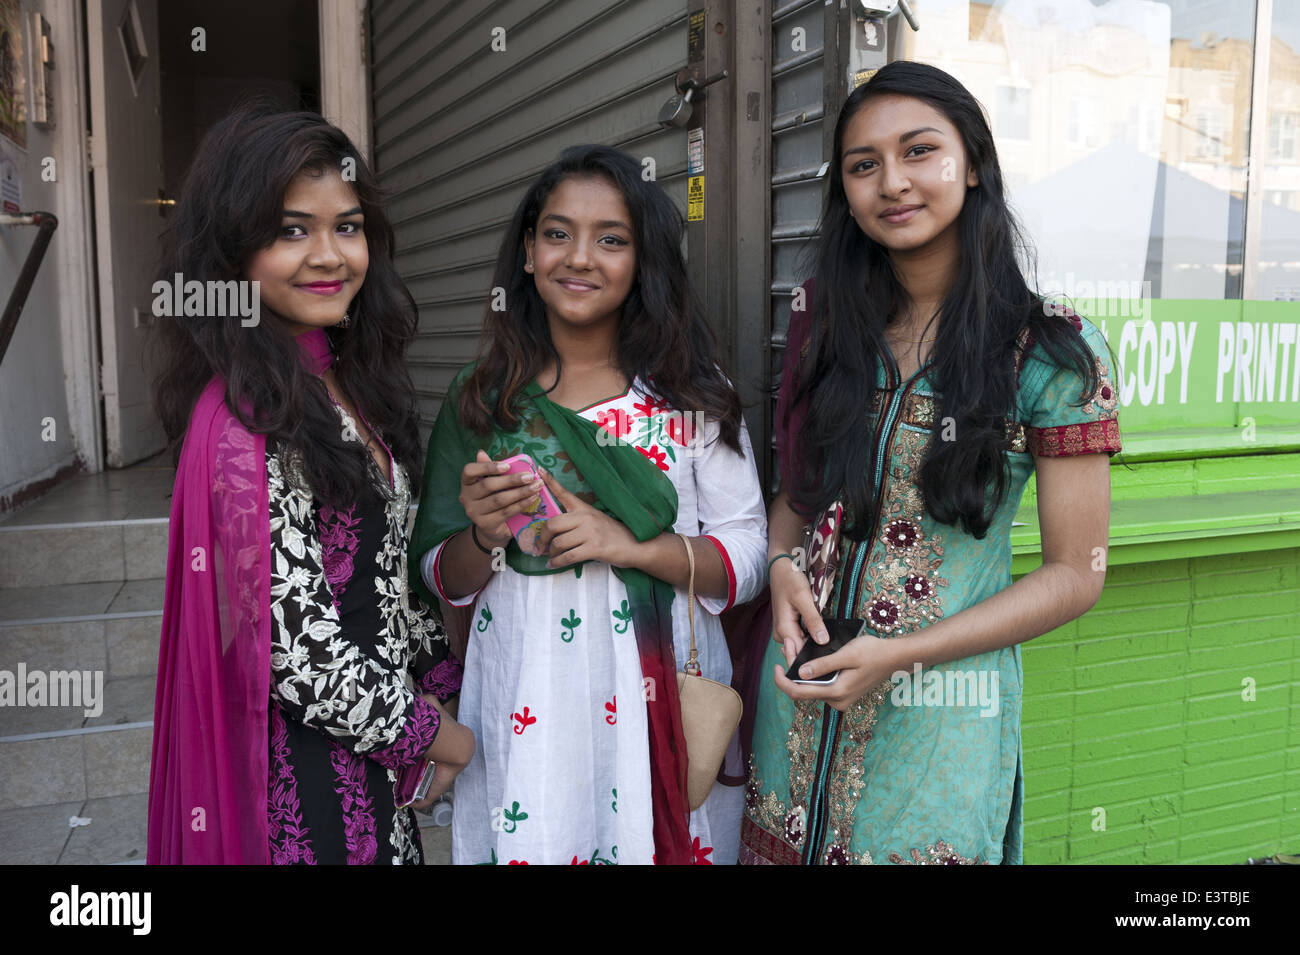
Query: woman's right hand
point(792, 604)
point(489, 496)
point(444, 775)
point(454, 744)
point(450, 752)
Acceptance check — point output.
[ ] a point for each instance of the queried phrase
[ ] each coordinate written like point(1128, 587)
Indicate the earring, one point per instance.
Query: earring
point(346, 321)
point(528, 266)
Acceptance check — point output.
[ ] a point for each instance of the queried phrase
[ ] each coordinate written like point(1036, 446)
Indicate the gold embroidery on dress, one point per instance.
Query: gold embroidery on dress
point(896, 595)
point(918, 410)
point(1104, 400)
point(801, 743)
point(766, 809)
point(938, 854)
point(846, 780)
point(900, 593)
point(903, 592)
point(1017, 440)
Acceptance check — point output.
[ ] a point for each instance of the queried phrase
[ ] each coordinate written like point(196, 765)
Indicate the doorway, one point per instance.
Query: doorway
point(159, 75)
point(253, 47)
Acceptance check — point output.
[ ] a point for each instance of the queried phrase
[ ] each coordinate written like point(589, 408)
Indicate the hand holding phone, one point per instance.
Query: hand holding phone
point(841, 632)
point(536, 511)
point(490, 495)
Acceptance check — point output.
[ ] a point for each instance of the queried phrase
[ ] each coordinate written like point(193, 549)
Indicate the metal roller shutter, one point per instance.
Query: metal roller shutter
point(460, 129)
point(799, 149)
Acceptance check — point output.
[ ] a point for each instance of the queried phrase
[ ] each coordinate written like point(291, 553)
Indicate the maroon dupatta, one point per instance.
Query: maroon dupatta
point(208, 777)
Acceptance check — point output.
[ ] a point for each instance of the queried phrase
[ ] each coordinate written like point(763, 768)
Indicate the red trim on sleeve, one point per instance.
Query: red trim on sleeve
point(1068, 440)
point(437, 574)
point(731, 573)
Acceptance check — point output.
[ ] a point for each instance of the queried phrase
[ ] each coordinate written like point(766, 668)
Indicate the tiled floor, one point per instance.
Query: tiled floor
point(138, 492)
point(36, 835)
point(66, 600)
point(129, 700)
point(116, 833)
point(436, 841)
point(137, 596)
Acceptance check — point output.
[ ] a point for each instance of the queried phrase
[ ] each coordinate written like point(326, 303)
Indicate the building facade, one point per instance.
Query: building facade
point(1151, 149)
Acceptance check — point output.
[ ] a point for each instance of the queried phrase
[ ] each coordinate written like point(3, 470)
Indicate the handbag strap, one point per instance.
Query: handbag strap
point(693, 663)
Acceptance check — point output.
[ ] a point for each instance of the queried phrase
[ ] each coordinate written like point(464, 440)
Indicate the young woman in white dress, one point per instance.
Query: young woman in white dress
point(593, 345)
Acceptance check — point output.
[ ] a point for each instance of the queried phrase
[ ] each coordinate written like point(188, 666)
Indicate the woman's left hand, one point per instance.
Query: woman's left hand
point(864, 662)
point(583, 533)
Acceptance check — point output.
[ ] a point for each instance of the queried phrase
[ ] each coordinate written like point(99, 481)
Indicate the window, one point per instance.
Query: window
point(1209, 132)
point(1282, 130)
point(1135, 169)
point(1278, 177)
point(1012, 114)
point(1080, 124)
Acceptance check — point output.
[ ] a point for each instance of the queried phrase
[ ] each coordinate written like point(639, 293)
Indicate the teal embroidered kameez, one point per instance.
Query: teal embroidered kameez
point(937, 779)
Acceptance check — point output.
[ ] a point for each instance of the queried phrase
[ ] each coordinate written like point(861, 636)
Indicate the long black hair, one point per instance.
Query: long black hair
point(855, 291)
point(229, 209)
point(662, 334)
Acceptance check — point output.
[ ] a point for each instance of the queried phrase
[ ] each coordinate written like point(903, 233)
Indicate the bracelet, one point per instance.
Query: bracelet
point(775, 559)
point(473, 533)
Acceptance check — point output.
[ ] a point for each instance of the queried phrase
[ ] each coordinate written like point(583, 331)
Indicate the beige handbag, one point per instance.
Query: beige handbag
point(710, 713)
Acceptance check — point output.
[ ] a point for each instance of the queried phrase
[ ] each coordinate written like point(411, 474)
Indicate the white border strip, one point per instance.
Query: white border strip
point(83, 731)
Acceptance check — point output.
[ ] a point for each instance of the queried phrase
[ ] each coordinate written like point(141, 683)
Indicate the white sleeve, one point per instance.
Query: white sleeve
point(433, 578)
point(731, 514)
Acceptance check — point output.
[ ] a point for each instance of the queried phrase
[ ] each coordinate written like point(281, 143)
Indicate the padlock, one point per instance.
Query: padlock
point(677, 111)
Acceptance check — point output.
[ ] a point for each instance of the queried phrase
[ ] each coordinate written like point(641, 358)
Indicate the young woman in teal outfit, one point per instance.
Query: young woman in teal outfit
point(976, 383)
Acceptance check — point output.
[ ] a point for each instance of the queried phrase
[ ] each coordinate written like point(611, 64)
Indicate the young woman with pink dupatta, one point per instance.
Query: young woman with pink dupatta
point(301, 683)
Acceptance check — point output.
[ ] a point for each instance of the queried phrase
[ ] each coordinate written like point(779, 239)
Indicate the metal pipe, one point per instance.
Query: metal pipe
point(47, 223)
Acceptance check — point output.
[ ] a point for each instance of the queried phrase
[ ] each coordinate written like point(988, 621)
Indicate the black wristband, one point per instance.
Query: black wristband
point(473, 533)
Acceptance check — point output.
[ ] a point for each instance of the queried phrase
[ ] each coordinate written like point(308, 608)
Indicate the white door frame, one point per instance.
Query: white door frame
point(345, 68)
point(126, 160)
point(78, 317)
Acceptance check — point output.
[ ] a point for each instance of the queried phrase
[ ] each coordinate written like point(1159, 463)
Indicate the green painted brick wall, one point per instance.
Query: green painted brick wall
point(1136, 708)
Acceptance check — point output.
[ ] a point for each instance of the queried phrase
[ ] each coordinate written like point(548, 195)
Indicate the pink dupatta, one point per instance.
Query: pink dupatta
point(208, 777)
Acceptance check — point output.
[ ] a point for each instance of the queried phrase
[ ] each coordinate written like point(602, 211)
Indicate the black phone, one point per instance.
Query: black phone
point(841, 631)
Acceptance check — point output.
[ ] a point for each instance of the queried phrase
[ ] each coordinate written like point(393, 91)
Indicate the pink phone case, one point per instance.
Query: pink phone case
point(526, 525)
